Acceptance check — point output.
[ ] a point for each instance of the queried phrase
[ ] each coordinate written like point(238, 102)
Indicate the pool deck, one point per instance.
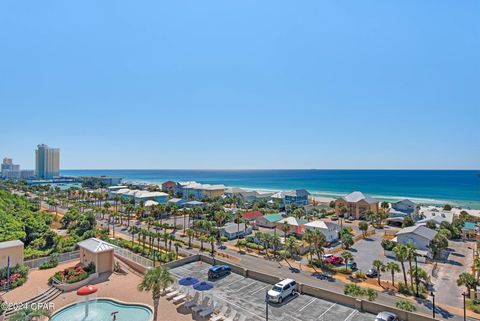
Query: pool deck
point(121, 287)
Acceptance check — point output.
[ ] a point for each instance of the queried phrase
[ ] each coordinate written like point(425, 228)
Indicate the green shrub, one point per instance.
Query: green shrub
point(388, 245)
point(48, 265)
point(354, 290)
point(360, 275)
point(406, 306)
point(344, 270)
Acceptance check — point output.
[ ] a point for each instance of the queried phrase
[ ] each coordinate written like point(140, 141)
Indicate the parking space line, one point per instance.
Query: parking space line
point(306, 305)
point(321, 315)
point(350, 315)
point(262, 288)
point(238, 306)
point(246, 286)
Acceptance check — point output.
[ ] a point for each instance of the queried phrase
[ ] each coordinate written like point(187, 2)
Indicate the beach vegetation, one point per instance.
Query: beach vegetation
point(406, 306)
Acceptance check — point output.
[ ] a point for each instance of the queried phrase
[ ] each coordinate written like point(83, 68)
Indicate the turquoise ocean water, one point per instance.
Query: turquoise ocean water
point(457, 187)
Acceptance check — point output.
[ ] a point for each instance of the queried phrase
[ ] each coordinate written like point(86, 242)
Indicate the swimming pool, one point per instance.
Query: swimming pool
point(101, 310)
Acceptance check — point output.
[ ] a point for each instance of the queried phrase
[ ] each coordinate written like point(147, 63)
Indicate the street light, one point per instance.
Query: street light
point(433, 301)
point(266, 305)
point(464, 307)
point(416, 274)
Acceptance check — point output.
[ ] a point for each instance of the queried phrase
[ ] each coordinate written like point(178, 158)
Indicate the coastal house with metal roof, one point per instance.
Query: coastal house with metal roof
point(268, 220)
point(357, 204)
point(405, 206)
point(233, 230)
point(419, 235)
point(329, 229)
point(295, 225)
point(436, 217)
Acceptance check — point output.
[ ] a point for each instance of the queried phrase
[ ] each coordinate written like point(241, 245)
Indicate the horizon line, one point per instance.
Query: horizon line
point(270, 169)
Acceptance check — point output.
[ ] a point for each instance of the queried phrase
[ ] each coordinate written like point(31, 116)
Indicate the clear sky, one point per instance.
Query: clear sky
point(242, 83)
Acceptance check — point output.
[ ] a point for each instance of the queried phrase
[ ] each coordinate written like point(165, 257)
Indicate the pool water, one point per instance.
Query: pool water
point(101, 309)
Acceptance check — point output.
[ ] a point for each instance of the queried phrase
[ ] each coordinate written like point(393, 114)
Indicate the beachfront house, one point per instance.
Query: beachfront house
point(329, 229)
point(357, 205)
point(169, 187)
point(436, 217)
point(192, 204)
point(194, 190)
point(396, 217)
point(298, 197)
point(246, 195)
point(405, 206)
point(268, 221)
point(419, 235)
point(233, 230)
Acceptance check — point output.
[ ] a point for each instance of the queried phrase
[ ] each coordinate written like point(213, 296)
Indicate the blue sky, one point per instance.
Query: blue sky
point(242, 84)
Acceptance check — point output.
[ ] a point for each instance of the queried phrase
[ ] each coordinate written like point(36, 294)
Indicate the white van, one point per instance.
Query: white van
point(281, 290)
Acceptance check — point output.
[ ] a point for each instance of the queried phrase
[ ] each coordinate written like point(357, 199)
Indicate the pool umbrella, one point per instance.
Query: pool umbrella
point(187, 281)
point(203, 286)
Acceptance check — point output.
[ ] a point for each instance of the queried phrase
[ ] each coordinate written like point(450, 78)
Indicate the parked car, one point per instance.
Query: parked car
point(352, 265)
point(218, 271)
point(372, 273)
point(386, 316)
point(334, 217)
point(281, 290)
point(332, 259)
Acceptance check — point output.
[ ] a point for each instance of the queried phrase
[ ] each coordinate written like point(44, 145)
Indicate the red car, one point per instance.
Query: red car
point(332, 259)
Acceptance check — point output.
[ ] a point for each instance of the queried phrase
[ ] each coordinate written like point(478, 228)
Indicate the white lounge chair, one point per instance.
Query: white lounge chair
point(173, 294)
point(193, 301)
point(179, 298)
point(220, 315)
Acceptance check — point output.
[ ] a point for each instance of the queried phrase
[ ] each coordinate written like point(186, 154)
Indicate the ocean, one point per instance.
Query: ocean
point(436, 187)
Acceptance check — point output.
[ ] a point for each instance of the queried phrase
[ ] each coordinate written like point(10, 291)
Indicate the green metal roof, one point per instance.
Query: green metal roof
point(273, 217)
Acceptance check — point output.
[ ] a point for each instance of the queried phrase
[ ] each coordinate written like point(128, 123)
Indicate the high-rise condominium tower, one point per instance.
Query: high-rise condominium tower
point(47, 162)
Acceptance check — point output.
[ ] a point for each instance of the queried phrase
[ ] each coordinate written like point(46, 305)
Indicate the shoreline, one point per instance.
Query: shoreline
point(328, 196)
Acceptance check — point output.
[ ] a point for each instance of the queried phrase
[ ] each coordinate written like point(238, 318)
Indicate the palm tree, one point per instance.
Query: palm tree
point(212, 240)
point(285, 229)
point(392, 267)
point(177, 245)
point(467, 280)
point(238, 219)
point(318, 244)
point(309, 237)
point(411, 254)
point(347, 256)
point(377, 264)
point(401, 255)
point(190, 233)
point(156, 280)
point(363, 226)
point(202, 238)
point(292, 245)
point(29, 314)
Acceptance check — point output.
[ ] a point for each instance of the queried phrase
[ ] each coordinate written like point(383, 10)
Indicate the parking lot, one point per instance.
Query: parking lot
point(247, 297)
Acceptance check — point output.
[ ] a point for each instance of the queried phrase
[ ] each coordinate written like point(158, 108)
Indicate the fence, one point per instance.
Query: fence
point(63, 257)
point(136, 258)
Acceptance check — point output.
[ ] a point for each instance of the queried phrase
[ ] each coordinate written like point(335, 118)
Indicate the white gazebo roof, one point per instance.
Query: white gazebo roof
point(95, 245)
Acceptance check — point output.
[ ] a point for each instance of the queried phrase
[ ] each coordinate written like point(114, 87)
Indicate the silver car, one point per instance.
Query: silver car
point(386, 316)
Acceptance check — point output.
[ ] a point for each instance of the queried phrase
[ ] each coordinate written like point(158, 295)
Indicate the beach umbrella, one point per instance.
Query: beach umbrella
point(203, 286)
point(187, 281)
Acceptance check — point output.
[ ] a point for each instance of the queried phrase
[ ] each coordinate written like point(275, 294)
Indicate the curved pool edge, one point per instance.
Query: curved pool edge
point(147, 306)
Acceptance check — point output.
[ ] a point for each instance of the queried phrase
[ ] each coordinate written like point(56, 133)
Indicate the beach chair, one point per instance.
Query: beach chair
point(221, 314)
point(200, 307)
point(207, 311)
point(192, 301)
point(179, 298)
point(231, 316)
point(172, 294)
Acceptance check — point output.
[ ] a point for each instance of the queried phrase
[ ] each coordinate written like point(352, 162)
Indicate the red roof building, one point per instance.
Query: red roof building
point(251, 215)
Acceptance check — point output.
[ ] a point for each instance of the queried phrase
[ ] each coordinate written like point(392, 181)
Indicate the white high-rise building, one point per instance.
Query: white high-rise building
point(47, 162)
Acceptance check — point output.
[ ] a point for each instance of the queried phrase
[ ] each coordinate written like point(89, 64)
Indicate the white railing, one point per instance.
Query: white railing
point(63, 257)
point(143, 261)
